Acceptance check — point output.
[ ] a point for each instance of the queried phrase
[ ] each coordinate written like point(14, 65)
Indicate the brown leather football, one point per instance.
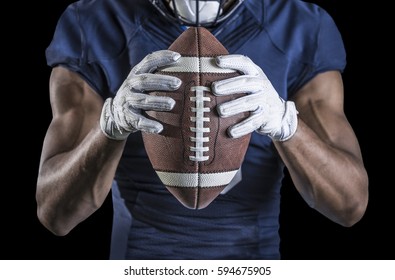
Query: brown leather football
point(193, 156)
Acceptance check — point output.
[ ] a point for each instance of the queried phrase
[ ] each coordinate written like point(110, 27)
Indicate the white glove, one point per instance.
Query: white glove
point(122, 114)
point(270, 114)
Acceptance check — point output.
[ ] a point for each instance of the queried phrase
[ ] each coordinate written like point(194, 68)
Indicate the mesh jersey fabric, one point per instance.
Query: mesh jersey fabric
point(291, 40)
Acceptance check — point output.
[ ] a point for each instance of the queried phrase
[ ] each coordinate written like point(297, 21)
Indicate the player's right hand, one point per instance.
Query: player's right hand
point(122, 114)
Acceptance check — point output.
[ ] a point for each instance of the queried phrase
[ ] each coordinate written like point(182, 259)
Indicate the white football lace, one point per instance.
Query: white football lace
point(199, 119)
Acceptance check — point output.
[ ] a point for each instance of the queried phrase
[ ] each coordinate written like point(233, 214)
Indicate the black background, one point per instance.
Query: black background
point(305, 233)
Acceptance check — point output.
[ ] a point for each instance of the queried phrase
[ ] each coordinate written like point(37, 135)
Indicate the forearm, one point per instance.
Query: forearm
point(74, 184)
point(332, 181)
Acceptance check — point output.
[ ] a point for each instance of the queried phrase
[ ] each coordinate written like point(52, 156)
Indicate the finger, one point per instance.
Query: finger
point(248, 103)
point(152, 82)
point(239, 84)
point(239, 63)
point(154, 60)
point(149, 102)
point(246, 126)
point(149, 126)
point(139, 122)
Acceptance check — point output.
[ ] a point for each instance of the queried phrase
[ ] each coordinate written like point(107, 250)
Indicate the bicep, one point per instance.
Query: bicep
point(320, 104)
point(75, 111)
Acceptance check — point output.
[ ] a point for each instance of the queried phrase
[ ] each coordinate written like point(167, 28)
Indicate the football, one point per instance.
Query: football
point(193, 156)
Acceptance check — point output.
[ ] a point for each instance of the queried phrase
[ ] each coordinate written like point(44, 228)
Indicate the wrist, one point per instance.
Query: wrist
point(108, 125)
point(289, 123)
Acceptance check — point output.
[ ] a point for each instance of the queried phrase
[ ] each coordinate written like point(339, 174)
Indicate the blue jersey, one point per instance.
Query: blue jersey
point(291, 40)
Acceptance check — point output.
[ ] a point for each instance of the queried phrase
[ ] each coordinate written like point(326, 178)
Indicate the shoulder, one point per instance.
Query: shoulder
point(104, 15)
point(100, 29)
point(110, 4)
point(123, 10)
point(295, 26)
point(295, 9)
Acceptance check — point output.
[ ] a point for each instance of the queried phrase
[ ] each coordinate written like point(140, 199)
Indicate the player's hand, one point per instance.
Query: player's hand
point(122, 114)
point(270, 114)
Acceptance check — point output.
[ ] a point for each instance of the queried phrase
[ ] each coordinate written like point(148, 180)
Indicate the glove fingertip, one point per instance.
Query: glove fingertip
point(176, 56)
point(176, 83)
point(221, 111)
point(172, 103)
point(153, 128)
point(234, 133)
point(230, 133)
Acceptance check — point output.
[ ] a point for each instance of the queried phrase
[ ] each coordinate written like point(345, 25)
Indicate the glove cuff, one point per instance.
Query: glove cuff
point(108, 125)
point(289, 122)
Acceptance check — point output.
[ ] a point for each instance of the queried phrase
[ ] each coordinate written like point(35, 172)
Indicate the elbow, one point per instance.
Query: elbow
point(50, 218)
point(354, 209)
point(353, 203)
point(51, 223)
point(352, 215)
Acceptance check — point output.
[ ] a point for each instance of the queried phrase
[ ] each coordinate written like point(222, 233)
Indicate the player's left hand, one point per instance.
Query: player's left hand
point(270, 114)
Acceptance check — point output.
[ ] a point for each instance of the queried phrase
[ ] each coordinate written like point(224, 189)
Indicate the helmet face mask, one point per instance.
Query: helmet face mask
point(205, 13)
point(195, 11)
